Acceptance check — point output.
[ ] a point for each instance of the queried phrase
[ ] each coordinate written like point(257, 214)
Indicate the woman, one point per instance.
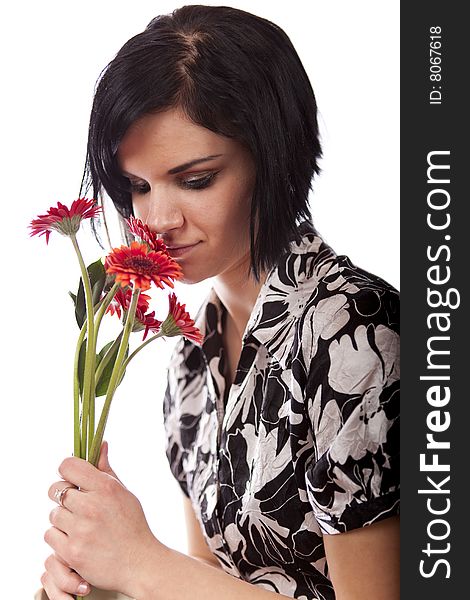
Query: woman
point(283, 428)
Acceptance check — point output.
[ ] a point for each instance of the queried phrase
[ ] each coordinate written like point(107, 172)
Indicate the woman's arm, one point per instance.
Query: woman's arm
point(197, 545)
point(170, 574)
point(365, 562)
point(197, 575)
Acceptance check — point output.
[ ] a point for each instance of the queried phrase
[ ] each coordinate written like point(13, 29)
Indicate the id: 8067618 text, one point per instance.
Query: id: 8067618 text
point(435, 64)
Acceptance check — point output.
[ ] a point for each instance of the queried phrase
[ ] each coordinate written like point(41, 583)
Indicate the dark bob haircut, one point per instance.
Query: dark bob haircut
point(235, 74)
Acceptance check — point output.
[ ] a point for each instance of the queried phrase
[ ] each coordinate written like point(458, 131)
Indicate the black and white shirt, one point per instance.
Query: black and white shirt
point(306, 440)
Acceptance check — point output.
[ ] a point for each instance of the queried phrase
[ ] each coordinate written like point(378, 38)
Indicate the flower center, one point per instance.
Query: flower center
point(141, 264)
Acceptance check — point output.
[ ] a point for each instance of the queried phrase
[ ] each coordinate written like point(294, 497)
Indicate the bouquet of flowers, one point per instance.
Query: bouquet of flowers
point(115, 286)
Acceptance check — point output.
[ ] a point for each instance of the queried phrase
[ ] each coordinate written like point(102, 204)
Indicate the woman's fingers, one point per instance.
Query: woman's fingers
point(62, 581)
point(52, 591)
point(63, 493)
point(61, 518)
point(57, 540)
point(103, 462)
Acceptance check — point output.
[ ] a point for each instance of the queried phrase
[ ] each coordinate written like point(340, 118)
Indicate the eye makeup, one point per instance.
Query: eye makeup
point(198, 183)
point(194, 183)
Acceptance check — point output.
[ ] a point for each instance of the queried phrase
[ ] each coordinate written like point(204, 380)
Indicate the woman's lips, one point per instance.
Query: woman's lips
point(178, 251)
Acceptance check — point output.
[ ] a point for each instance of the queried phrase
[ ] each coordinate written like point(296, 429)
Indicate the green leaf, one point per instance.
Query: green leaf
point(103, 383)
point(98, 279)
point(81, 365)
point(74, 298)
point(97, 275)
point(80, 306)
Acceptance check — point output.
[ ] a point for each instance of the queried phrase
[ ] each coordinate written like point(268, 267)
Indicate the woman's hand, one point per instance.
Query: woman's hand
point(100, 532)
point(60, 581)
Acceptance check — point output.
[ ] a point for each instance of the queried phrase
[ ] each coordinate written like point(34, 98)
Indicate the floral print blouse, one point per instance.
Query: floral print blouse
point(306, 440)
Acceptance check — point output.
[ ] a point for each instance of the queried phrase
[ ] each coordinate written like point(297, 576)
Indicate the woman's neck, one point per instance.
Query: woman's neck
point(238, 294)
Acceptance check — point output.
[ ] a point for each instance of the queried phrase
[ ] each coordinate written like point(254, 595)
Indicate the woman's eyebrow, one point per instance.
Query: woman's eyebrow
point(184, 166)
point(189, 164)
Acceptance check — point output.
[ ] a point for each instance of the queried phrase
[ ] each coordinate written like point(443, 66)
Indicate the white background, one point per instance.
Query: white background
point(52, 53)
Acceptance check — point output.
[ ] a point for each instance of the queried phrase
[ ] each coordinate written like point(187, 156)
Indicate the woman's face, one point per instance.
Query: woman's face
point(203, 207)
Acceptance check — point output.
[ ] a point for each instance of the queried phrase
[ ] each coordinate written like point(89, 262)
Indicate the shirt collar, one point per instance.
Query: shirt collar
point(280, 301)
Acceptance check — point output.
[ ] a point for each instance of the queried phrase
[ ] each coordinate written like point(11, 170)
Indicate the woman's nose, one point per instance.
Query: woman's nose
point(164, 213)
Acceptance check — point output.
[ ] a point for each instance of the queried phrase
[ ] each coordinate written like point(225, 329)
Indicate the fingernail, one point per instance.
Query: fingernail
point(83, 588)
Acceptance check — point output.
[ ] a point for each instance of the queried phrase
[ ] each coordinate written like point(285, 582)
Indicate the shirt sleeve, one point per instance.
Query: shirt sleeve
point(353, 405)
point(174, 447)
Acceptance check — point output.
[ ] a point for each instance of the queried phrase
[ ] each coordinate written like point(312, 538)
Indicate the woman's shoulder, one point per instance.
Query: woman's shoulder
point(313, 264)
point(333, 283)
point(344, 304)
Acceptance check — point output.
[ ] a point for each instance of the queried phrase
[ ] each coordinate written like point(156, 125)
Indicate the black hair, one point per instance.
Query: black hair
point(235, 74)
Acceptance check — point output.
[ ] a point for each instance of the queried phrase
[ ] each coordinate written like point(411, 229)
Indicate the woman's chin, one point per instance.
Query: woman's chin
point(190, 278)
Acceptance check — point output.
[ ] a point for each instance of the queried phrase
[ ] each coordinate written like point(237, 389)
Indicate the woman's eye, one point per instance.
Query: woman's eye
point(195, 183)
point(198, 183)
point(139, 188)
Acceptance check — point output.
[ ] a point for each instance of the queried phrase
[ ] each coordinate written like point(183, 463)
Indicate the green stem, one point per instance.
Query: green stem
point(106, 358)
point(91, 416)
point(76, 395)
point(103, 305)
point(115, 378)
point(101, 310)
point(137, 350)
point(88, 377)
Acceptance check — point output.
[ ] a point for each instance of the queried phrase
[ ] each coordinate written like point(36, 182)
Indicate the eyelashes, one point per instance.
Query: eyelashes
point(198, 183)
point(137, 188)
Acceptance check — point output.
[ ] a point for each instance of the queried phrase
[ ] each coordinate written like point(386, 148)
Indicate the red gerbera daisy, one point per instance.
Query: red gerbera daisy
point(141, 265)
point(142, 231)
point(143, 320)
point(178, 322)
point(148, 322)
point(64, 220)
point(122, 300)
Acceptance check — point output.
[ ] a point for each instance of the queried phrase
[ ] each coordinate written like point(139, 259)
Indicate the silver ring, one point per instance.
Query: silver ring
point(59, 494)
